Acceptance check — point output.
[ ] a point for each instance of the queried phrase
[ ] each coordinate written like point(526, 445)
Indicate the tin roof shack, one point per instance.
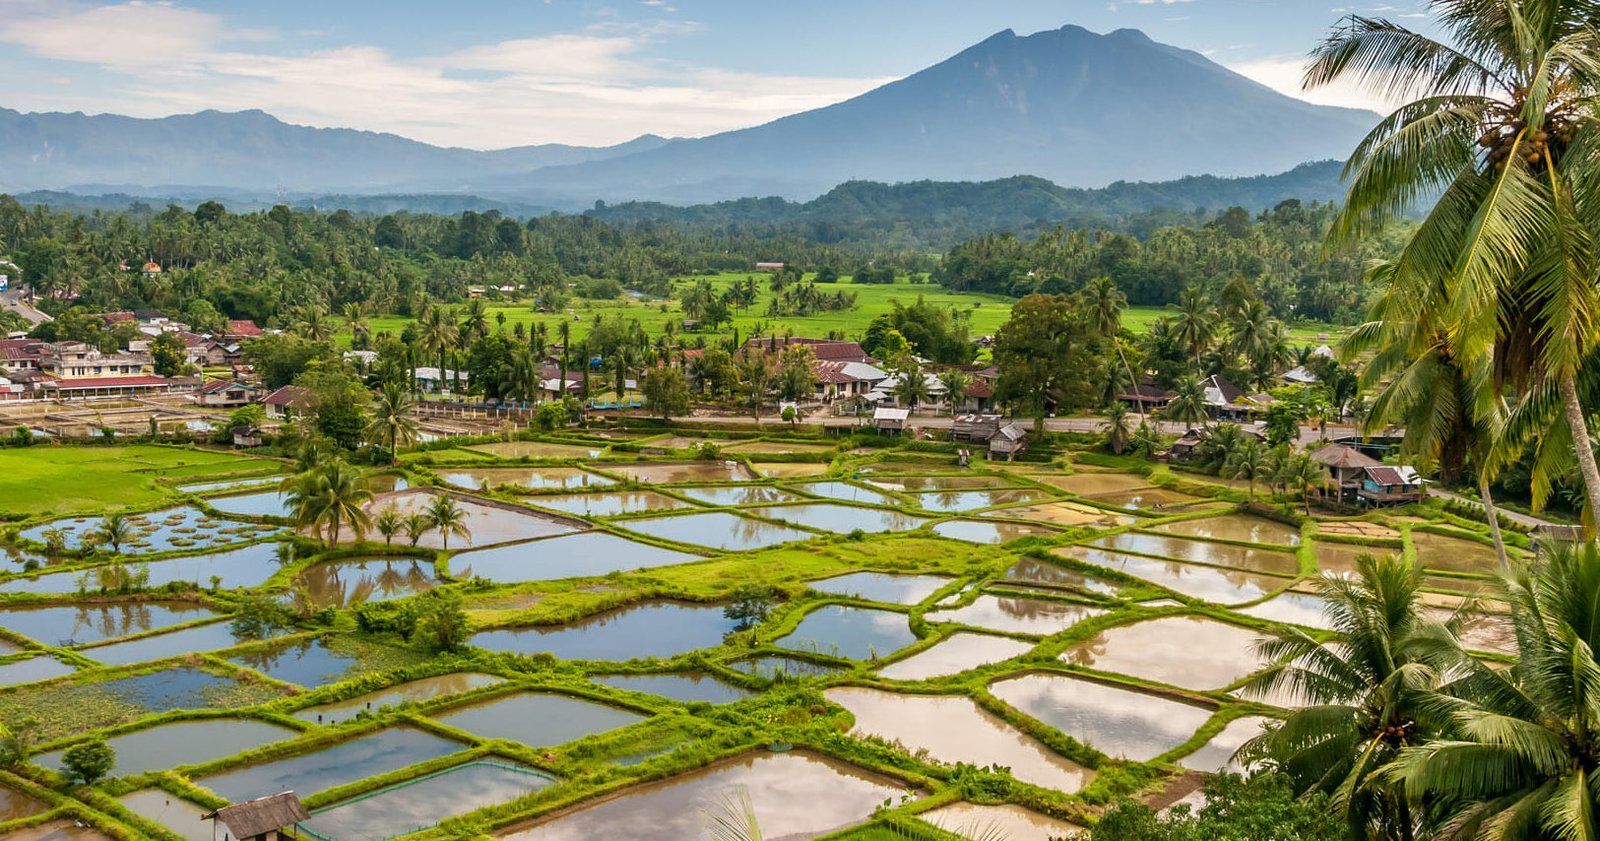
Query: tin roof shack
point(262, 819)
point(1009, 442)
point(1385, 486)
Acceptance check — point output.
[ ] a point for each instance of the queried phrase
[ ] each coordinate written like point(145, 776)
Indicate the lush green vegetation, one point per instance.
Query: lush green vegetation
point(70, 480)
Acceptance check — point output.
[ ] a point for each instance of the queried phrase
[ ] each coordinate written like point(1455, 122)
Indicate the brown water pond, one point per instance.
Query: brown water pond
point(1340, 558)
point(1240, 527)
point(415, 691)
point(788, 469)
point(608, 504)
point(536, 449)
point(978, 531)
point(667, 473)
point(1183, 651)
point(1007, 821)
point(1090, 484)
point(536, 718)
point(954, 654)
point(1213, 584)
point(955, 729)
point(63, 830)
point(1067, 514)
point(1202, 552)
point(803, 794)
point(350, 581)
point(1041, 617)
point(1153, 498)
point(1112, 720)
point(14, 805)
point(537, 478)
point(1291, 608)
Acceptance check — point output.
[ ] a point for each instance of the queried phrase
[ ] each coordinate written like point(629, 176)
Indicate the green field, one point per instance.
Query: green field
point(987, 312)
point(66, 480)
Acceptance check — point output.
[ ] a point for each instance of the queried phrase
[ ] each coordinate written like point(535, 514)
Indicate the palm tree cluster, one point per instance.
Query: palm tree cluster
point(1412, 737)
point(1487, 323)
point(328, 497)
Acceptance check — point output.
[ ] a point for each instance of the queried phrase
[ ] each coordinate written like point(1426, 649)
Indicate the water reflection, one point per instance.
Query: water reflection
point(1114, 721)
point(346, 583)
point(1180, 650)
point(1040, 617)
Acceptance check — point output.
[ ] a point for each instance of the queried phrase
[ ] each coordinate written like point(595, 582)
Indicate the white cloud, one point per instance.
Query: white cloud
point(598, 86)
point(1284, 74)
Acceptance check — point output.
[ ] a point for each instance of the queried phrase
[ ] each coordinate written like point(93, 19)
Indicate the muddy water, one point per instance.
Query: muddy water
point(181, 743)
point(788, 469)
point(976, 531)
point(415, 691)
point(538, 478)
point(411, 806)
point(608, 504)
point(741, 495)
point(333, 766)
point(1340, 558)
point(1114, 721)
point(1152, 498)
point(935, 483)
point(1201, 552)
point(878, 587)
point(348, 582)
point(1092, 484)
point(1007, 821)
point(840, 518)
point(652, 629)
point(1240, 527)
point(1035, 570)
point(954, 729)
point(1067, 514)
point(536, 449)
point(1181, 650)
point(856, 633)
point(954, 654)
point(1041, 617)
point(797, 794)
point(1452, 554)
point(178, 816)
point(15, 805)
point(1213, 584)
point(669, 473)
point(718, 530)
point(536, 718)
point(779, 447)
point(1217, 754)
point(1292, 608)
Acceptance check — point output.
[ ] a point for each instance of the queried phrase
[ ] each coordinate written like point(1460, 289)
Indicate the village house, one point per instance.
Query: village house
point(826, 350)
point(261, 819)
point(842, 380)
point(890, 420)
point(77, 360)
point(1385, 486)
point(1146, 396)
point(226, 394)
point(1347, 467)
point(288, 402)
point(19, 355)
point(1008, 442)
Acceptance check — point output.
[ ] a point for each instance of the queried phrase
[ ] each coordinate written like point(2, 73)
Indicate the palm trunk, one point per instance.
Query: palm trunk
point(1137, 398)
point(1487, 496)
point(1580, 444)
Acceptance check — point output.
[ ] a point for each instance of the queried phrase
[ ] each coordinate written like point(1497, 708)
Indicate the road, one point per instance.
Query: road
point(1523, 519)
point(13, 300)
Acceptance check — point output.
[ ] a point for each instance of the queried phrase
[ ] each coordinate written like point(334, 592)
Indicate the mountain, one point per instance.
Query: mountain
point(249, 150)
point(1067, 105)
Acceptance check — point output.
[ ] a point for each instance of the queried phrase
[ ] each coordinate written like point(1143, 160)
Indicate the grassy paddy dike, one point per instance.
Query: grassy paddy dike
point(1011, 644)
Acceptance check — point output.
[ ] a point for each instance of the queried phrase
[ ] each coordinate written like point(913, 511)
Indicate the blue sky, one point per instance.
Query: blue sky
point(494, 73)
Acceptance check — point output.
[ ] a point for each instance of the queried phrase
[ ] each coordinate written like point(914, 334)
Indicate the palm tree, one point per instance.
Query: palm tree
point(1502, 126)
point(389, 523)
point(416, 525)
point(360, 331)
point(1519, 760)
point(955, 384)
point(330, 497)
point(1247, 460)
point(1367, 694)
point(393, 420)
point(313, 324)
point(911, 387)
point(1434, 393)
point(1195, 323)
point(448, 517)
point(115, 530)
point(475, 320)
point(437, 334)
point(1118, 428)
point(1188, 404)
point(1105, 302)
point(520, 382)
point(1303, 474)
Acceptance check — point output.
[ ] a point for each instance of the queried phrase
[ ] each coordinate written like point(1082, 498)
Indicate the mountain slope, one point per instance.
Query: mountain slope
point(249, 150)
point(1079, 109)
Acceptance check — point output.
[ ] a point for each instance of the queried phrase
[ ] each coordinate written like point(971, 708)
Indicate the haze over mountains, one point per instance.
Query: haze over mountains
point(1067, 105)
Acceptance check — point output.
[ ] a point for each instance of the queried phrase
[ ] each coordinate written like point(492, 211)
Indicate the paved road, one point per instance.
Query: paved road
point(12, 300)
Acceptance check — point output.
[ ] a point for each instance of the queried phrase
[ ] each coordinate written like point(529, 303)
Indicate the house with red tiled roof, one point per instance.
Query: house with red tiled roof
point(1347, 466)
point(242, 328)
point(839, 379)
point(226, 393)
point(830, 350)
point(288, 402)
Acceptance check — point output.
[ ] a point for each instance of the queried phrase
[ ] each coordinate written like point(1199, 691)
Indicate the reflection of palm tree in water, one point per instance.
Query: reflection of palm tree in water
point(1034, 609)
point(1087, 652)
point(266, 659)
point(113, 620)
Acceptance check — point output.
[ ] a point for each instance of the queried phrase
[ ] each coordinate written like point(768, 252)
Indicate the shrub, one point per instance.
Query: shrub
point(89, 762)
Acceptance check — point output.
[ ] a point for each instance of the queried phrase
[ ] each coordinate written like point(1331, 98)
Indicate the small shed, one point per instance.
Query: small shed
point(261, 819)
point(1383, 486)
point(979, 428)
point(248, 436)
point(1008, 441)
point(890, 420)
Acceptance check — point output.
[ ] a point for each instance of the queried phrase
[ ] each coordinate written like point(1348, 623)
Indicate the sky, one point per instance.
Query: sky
point(487, 74)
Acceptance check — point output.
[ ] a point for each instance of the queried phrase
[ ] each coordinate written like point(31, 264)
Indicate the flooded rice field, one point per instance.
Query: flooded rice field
point(487, 523)
point(86, 623)
point(955, 729)
point(181, 743)
point(878, 587)
point(1163, 650)
point(536, 718)
point(352, 581)
point(1038, 617)
point(854, 633)
point(414, 691)
point(718, 530)
point(652, 629)
point(1202, 552)
point(1240, 527)
point(740, 495)
point(332, 766)
point(953, 501)
point(585, 554)
point(954, 654)
point(669, 473)
point(1213, 584)
point(1117, 722)
point(839, 518)
point(608, 504)
point(977, 531)
point(679, 686)
point(1033, 570)
point(419, 804)
point(535, 478)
